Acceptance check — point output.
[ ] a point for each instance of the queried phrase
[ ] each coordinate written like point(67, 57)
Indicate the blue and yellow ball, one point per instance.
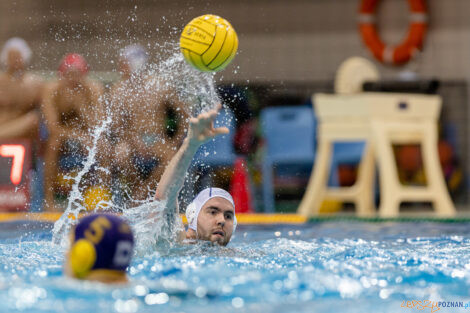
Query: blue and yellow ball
point(209, 43)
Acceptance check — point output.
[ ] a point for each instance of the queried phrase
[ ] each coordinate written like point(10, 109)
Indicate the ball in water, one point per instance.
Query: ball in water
point(209, 43)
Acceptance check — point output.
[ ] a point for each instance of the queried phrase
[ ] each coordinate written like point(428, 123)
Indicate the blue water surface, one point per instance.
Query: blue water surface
point(318, 267)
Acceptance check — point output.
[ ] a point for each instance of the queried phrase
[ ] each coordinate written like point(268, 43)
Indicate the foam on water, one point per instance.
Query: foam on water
point(153, 228)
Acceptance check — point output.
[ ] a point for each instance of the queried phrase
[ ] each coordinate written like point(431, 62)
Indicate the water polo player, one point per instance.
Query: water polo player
point(146, 129)
point(211, 215)
point(101, 249)
point(20, 92)
point(72, 106)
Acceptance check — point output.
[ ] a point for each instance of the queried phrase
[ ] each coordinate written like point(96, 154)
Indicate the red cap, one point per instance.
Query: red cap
point(73, 60)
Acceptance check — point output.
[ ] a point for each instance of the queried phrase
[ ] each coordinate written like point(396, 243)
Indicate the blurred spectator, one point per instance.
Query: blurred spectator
point(147, 128)
point(20, 93)
point(72, 107)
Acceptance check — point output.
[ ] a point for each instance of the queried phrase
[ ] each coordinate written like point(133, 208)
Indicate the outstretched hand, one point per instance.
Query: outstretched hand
point(201, 128)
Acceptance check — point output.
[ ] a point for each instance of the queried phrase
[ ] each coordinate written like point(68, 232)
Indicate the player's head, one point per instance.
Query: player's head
point(132, 59)
point(211, 216)
point(73, 68)
point(101, 248)
point(15, 54)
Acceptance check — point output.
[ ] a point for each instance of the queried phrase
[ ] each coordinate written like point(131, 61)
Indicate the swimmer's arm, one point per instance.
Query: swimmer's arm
point(173, 177)
point(49, 110)
point(201, 129)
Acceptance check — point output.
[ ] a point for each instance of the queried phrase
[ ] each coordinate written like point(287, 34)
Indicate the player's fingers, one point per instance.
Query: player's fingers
point(218, 106)
point(221, 130)
point(203, 116)
point(203, 120)
point(213, 114)
point(193, 121)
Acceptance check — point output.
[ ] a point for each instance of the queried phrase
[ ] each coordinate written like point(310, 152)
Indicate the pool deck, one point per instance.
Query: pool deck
point(250, 219)
point(241, 218)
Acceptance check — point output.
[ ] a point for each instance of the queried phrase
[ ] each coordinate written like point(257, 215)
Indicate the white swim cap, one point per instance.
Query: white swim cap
point(136, 56)
point(19, 44)
point(193, 209)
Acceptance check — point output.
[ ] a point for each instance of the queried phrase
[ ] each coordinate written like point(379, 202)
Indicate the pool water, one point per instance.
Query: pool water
point(317, 267)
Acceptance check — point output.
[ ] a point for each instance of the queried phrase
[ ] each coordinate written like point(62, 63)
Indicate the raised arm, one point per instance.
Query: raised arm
point(201, 129)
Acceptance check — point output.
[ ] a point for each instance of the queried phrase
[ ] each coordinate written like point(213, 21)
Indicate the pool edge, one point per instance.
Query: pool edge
point(250, 219)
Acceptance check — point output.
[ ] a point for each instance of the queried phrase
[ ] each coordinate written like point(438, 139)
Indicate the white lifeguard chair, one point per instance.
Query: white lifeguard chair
point(381, 120)
point(339, 121)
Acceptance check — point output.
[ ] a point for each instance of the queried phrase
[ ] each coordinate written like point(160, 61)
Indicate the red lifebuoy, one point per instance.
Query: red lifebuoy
point(403, 52)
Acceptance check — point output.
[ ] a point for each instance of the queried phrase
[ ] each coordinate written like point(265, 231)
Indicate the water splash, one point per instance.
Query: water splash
point(153, 227)
point(196, 89)
point(193, 87)
point(74, 205)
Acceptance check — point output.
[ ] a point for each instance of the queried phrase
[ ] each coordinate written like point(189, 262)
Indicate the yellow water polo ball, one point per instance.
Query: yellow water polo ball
point(209, 43)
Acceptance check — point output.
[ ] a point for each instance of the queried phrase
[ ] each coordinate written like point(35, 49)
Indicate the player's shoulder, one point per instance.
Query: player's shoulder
point(50, 87)
point(33, 80)
point(28, 76)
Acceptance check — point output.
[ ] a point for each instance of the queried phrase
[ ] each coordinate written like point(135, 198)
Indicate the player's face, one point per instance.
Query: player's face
point(215, 221)
point(15, 60)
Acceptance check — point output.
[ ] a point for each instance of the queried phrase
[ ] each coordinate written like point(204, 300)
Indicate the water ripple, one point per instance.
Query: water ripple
point(356, 268)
